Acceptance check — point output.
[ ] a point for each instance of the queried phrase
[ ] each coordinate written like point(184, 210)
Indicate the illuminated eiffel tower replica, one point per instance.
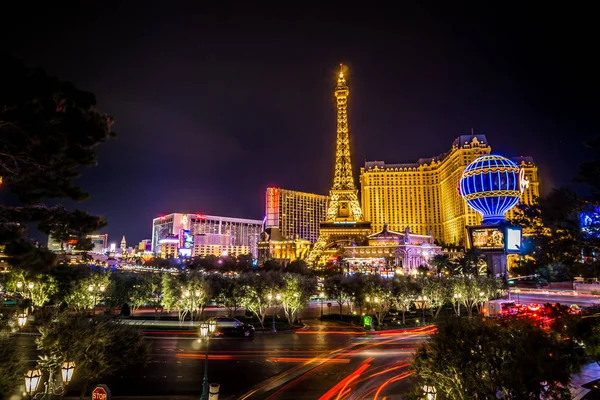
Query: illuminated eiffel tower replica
point(344, 222)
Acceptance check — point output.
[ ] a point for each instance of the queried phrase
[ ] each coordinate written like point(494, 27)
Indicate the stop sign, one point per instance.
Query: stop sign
point(101, 392)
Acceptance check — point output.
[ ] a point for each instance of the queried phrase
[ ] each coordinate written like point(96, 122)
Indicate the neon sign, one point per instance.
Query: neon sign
point(523, 181)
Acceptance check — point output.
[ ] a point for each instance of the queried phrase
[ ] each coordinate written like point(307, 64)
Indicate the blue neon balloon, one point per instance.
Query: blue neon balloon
point(490, 186)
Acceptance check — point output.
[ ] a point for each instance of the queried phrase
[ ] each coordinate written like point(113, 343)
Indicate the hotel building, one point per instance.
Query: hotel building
point(242, 232)
point(424, 195)
point(296, 214)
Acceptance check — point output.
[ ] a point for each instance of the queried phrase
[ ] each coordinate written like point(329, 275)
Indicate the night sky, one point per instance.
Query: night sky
point(212, 105)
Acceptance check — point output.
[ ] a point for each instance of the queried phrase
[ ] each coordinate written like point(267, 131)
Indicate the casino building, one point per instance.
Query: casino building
point(424, 195)
point(234, 234)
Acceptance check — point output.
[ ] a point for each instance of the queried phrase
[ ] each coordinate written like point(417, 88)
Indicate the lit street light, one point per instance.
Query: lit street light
point(278, 297)
point(95, 289)
point(33, 379)
point(21, 320)
point(321, 296)
point(430, 392)
point(421, 301)
point(206, 330)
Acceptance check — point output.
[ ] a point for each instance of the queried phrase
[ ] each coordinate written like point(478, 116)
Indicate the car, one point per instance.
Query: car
point(231, 327)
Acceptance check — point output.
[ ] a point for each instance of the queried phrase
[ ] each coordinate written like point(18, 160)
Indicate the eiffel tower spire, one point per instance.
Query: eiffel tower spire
point(344, 221)
point(342, 179)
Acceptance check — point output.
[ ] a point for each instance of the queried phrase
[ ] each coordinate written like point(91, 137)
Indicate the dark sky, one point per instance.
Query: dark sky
point(212, 105)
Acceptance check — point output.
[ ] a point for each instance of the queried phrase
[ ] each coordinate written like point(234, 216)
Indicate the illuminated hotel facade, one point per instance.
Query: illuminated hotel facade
point(296, 214)
point(424, 195)
point(240, 233)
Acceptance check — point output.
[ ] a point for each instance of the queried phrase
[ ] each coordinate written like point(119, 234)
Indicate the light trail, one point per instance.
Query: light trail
point(309, 360)
point(344, 382)
point(394, 379)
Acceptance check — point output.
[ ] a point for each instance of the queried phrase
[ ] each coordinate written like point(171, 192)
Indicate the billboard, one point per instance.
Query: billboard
point(484, 238)
point(188, 239)
point(513, 239)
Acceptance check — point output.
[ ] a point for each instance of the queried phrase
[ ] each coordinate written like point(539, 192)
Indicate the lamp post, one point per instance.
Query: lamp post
point(278, 297)
point(206, 330)
point(517, 291)
point(321, 296)
point(33, 379)
point(422, 301)
point(94, 290)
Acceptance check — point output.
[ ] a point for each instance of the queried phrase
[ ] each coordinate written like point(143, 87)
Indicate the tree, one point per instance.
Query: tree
point(483, 359)
point(99, 346)
point(186, 294)
point(438, 292)
point(48, 130)
point(257, 288)
point(146, 290)
point(86, 293)
point(442, 264)
point(228, 292)
point(38, 288)
point(298, 267)
point(296, 292)
point(336, 289)
point(380, 297)
point(12, 367)
point(405, 292)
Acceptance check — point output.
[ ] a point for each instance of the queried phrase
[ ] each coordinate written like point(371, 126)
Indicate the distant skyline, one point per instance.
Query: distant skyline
point(214, 104)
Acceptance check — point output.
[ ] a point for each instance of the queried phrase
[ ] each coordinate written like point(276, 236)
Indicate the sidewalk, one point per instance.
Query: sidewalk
point(588, 374)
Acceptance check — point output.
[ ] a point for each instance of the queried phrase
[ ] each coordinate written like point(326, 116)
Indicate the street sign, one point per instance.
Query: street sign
point(367, 322)
point(329, 305)
point(101, 392)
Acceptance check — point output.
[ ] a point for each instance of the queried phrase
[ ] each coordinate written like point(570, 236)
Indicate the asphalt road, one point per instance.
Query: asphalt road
point(316, 363)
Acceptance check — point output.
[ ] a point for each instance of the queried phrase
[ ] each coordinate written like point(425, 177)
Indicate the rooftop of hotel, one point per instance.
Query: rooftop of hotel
point(463, 141)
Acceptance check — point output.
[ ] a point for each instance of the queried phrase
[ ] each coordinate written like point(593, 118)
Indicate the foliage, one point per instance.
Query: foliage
point(146, 289)
point(336, 288)
point(404, 292)
point(12, 367)
point(38, 288)
point(483, 359)
point(87, 292)
point(296, 292)
point(380, 297)
point(228, 292)
point(256, 289)
point(48, 130)
point(186, 294)
point(98, 346)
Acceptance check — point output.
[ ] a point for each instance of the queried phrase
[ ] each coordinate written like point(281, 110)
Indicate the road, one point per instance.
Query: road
point(315, 363)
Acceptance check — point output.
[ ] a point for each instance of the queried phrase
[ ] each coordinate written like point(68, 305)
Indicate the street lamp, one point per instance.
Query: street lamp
point(322, 296)
point(430, 392)
point(19, 285)
point(33, 379)
point(206, 330)
point(517, 291)
point(21, 320)
point(67, 370)
point(278, 297)
point(422, 301)
point(30, 285)
point(95, 289)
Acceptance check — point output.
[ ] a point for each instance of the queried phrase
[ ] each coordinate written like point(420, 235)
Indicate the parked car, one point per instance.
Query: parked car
point(232, 327)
